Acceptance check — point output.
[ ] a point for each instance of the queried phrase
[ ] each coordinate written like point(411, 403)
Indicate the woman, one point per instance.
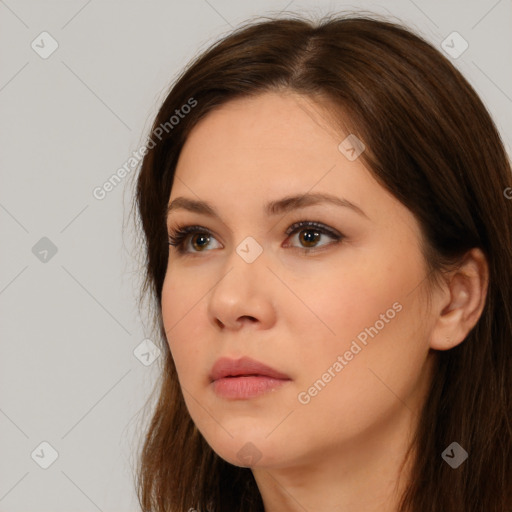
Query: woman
point(329, 249)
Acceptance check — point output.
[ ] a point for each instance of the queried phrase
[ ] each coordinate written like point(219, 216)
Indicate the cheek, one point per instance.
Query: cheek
point(369, 312)
point(338, 301)
point(182, 295)
point(180, 307)
point(373, 380)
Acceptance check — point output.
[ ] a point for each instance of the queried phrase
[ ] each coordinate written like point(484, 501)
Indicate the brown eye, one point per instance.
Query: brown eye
point(180, 237)
point(309, 237)
point(310, 234)
point(200, 241)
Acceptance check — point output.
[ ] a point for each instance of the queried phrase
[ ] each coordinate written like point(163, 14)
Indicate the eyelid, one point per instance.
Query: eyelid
point(180, 234)
point(289, 230)
point(312, 224)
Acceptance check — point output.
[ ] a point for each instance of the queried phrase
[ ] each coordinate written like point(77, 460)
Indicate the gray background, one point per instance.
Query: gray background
point(68, 373)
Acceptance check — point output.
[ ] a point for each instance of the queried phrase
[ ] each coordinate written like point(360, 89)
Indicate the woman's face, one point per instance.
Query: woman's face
point(337, 309)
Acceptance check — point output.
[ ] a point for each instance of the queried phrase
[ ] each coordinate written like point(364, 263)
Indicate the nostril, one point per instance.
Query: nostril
point(247, 318)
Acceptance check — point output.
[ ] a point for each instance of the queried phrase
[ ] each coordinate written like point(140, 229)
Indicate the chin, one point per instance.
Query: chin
point(246, 450)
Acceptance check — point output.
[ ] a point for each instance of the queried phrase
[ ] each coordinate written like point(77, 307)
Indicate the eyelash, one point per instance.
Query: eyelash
point(179, 235)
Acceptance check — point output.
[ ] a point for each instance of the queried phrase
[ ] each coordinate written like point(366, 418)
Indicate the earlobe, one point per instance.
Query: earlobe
point(465, 292)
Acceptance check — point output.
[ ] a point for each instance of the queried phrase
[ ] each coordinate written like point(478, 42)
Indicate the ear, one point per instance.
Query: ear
point(461, 301)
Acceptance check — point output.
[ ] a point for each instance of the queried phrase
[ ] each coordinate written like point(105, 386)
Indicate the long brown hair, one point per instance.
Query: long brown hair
point(432, 144)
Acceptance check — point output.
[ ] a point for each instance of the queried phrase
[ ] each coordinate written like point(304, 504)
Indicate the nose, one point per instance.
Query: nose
point(242, 295)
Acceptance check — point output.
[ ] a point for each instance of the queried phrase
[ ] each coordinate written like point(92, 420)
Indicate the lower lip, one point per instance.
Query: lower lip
point(246, 387)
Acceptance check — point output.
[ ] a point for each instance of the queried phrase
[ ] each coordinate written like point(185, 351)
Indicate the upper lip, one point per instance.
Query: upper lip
point(226, 367)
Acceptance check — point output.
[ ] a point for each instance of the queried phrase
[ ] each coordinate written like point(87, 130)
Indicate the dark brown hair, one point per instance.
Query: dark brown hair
point(432, 144)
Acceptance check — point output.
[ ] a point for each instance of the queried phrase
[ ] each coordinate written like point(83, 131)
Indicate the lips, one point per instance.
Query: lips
point(226, 367)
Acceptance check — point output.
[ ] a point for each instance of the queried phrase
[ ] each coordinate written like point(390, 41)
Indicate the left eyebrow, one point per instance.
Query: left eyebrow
point(272, 208)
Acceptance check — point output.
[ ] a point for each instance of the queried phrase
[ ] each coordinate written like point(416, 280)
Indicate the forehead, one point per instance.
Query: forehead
point(273, 135)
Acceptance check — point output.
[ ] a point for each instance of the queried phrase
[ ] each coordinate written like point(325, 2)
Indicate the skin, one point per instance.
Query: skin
point(298, 312)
